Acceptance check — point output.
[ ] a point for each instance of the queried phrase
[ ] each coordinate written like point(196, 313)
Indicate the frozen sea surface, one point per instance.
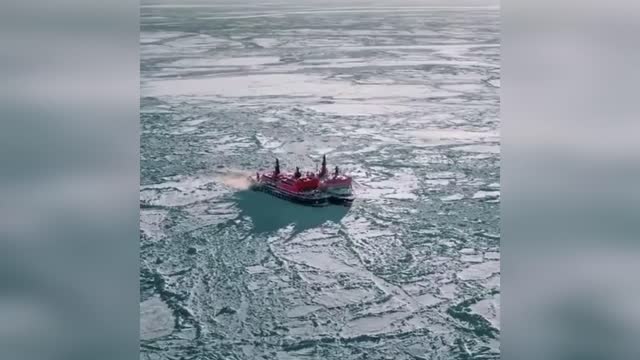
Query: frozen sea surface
point(405, 99)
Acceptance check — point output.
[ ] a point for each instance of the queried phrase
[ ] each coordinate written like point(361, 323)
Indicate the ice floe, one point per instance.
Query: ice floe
point(156, 319)
point(480, 271)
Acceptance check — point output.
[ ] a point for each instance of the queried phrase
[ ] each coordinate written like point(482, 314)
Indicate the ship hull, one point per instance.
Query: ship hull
point(341, 200)
point(340, 196)
point(314, 199)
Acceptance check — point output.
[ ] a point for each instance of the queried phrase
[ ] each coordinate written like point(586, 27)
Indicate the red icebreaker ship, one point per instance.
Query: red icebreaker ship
point(309, 189)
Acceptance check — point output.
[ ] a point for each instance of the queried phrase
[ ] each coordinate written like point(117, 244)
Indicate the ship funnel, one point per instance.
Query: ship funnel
point(323, 170)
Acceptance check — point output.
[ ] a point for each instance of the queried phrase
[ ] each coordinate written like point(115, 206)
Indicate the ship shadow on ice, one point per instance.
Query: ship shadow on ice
point(270, 214)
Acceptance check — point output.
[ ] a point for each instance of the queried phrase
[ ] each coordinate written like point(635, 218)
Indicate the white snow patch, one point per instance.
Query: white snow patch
point(267, 142)
point(302, 310)
point(150, 223)
point(464, 88)
point(372, 324)
point(451, 136)
point(489, 309)
point(279, 85)
point(343, 297)
point(266, 42)
point(453, 197)
point(494, 185)
point(468, 251)
point(181, 191)
point(361, 109)
point(448, 291)
point(486, 194)
point(492, 282)
point(439, 182)
point(195, 122)
point(156, 319)
point(401, 196)
point(471, 258)
point(480, 148)
point(152, 36)
point(480, 271)
point(320, 261)
point(183, 130)
point(257, 269)
point(229, 61)
point(427, 300)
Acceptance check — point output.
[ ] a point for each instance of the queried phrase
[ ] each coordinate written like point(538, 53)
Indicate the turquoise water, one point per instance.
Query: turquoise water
point(404, 100)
